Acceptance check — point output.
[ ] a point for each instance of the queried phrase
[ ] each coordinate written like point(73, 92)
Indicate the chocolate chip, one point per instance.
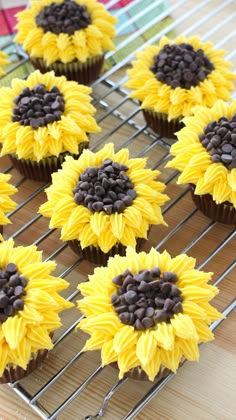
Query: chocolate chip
point(166, 288)
point(8, 310)
point(131, 297)
point(138, 325)
point(143, 287)
point(155, 272)
point(125, 317)
point(118, 280)
point(4, 301)
point(115, 299)
point(149, 311)
point(11, 268)
point(18, 290)
point(178, 308)
point(169, 276)
point(175, 291)
point(161, 316)
point(14, 280)
point(132, 308)
point(2, 282)
point(140, 312)
point(108, 208)
point(169, 303)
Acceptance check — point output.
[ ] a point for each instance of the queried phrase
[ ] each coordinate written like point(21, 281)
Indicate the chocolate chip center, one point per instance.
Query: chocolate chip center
point(146, 298)
point(12, 290)
point(39, 106)
point(219, 139)
point(181, 66)
point(105, 188)
point(66, 17)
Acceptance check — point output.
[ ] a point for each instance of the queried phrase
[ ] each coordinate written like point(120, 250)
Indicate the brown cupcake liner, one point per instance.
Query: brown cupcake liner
point(1, 229)
point(42, 170)
point(159, 123)
point(13, 374)
point(84, 73)
point(138, 373)
point(223, 213)
point(95, 254)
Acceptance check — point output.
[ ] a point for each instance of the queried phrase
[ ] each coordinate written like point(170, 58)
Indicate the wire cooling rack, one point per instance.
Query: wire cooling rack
point(72, 384)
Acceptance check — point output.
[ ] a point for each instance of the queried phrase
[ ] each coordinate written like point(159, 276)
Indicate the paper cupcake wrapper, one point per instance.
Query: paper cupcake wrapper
point(13, 374)
point(42, 170)
point(223, 213)
point(84, 73)
point(96, 256)
point(159, 123)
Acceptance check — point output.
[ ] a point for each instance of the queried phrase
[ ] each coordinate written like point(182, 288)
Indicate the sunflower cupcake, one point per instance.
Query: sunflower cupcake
point(147, 312)
point(67, 36)
point(29, 308)
point(205, 153)
point(6, 203)
point(3, 61)
point(171, 78)
point(42, 119)
point(104, 202)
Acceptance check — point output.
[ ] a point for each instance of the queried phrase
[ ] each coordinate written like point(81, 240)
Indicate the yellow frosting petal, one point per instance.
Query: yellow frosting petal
point(184, 327)
point(126, 337)
point(164, 335)
point(14, 330)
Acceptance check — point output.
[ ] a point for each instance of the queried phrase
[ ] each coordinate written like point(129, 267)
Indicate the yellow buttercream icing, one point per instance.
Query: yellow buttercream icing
point(194, 161)
point(176, 103)
point(3, 61)
point(85, 43)
point(29, 330)
point(164, 345)
point(6, 203)
point(99, 229)
point(61, 136)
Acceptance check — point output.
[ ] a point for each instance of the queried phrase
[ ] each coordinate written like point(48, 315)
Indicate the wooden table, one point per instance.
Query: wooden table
point(200, 391)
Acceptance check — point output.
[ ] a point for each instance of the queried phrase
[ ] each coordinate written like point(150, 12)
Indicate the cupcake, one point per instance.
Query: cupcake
point(104, 202)
point(42, 119)
point(205, 153)
point(147, 313)
point(173, 77)
point(29, 308)
point(67, 36)
point(3, 61)
point(6, 203)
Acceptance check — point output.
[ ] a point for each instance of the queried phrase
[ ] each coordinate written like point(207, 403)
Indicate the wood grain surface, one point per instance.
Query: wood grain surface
point(200, 391)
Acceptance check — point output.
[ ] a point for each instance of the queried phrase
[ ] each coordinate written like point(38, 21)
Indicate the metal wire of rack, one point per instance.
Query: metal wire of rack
point(189, 231)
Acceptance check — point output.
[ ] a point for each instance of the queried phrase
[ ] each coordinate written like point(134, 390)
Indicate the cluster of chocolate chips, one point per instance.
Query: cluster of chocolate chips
point(38, 107)
point(181, 66)
point(12, 286)
point(219, 139)
point(147, 297)
point(105, 188)
point(66, 17)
